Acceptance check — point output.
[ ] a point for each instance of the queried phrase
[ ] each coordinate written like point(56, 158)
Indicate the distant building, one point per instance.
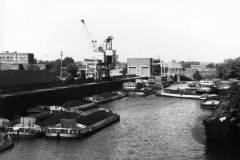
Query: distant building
point(16, 58)
point(200, 67)
point(174, 68)
point(116, 72)
point(139, 66)
point(205, 72)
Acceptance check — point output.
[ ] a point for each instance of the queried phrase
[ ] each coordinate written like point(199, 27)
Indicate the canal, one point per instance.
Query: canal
point(150, 128)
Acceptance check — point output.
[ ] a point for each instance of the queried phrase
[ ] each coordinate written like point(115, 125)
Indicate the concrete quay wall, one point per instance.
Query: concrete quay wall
point(18, 103)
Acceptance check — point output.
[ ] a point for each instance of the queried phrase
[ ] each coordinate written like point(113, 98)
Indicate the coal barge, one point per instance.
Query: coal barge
point(82, 126)
point(59, 122)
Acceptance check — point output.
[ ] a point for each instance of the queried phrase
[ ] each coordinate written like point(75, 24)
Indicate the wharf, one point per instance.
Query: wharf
point(17, 103)
point(64, 87)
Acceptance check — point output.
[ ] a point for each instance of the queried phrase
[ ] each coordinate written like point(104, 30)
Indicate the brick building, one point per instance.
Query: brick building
point(16, 58)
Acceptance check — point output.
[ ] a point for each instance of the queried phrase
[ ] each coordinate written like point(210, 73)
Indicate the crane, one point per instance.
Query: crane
point(91, 42)
point(104, 65)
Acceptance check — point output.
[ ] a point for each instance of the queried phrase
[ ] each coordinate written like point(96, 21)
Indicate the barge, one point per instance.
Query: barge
point(223, 125)
point(221, 130)
point(82, 126)
point(177, 94)
point(106, 97)
point(80, 105)
point(6, 142)
point(135, 89)
point(25, 129)
point(211, 102)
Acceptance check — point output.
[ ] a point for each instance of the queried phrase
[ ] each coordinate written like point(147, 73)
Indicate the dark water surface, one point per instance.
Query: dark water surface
point(150, 128)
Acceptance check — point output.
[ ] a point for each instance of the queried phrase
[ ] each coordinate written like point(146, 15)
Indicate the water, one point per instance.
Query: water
point(150, 128)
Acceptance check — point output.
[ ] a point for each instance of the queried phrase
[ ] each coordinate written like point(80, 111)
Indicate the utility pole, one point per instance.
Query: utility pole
point(61, 54)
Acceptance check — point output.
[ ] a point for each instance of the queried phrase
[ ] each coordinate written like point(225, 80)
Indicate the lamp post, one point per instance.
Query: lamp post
point(61, 54)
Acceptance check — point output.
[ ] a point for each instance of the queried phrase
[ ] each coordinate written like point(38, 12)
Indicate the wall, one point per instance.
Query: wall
point(17, 104)
point(140, 66)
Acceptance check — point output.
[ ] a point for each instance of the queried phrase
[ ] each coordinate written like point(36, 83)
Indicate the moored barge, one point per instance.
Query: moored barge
point(177, 94)
point(25, 129)
point(5, 142)
point(82, 126)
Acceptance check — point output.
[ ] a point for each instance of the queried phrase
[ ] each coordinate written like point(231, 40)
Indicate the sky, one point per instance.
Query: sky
point(188, 30)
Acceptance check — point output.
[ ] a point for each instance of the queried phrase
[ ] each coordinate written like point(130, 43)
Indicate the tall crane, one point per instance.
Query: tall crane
point(97, 70)
point(92, 43)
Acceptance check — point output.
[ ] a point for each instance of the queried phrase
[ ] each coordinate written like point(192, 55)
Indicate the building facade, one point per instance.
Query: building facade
point(174, 68)
point(16, 58)
point(139, 66)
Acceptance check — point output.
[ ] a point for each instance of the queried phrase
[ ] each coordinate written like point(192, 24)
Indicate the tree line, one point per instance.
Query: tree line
point(230, 68)
point(68, 63)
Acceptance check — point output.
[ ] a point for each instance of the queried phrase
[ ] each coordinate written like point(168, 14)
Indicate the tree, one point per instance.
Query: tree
point(197, 76)
point(229, 69)
point(210, 65)
point(32, 67)
point(54, 66)
point(72, 69)
point(188, 64)
point(67, 61)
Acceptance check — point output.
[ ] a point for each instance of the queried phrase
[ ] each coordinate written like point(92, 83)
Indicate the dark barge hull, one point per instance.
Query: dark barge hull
point(94, 128)
point(110, 99)
point(221, 132)
point(139, 94)
point(212, 107)
point(102, 124)
point(183, 96)
point(26, 136)
point(7, 144)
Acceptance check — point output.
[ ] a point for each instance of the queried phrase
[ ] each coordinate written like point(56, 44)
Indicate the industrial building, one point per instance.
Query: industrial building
point(16, 58)
point(146, 67)
point(139, 66)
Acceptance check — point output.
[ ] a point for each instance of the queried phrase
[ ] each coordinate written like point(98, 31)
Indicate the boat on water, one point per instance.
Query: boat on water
point(177, 94)
point(106, 97)
point(207, 96)
point(68, 128)
point(210, 104)
point(223, 125)
point(82, 126)
point(222, 130)
point(25, 129)
point(135, 89)
point(5, 142)
point(141, 92)
point(80, 105)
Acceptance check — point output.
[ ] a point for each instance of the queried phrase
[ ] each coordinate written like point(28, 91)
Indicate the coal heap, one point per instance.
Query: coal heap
point(94, 117)
point(56, 117)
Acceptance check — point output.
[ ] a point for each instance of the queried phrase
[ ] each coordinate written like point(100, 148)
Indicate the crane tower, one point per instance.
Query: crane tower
point(107, 60)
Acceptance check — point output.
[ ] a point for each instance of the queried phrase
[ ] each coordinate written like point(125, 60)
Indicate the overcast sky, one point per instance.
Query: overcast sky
point(200, 30)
